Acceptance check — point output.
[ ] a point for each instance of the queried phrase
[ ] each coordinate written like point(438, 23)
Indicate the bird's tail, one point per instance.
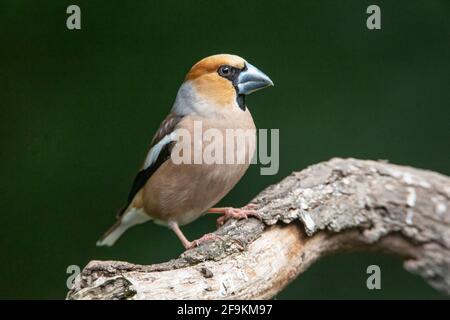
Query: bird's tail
point(113, 233)
point(129, 218)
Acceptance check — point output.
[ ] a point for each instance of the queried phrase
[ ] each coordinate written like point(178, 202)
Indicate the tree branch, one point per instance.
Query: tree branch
point(339, 205)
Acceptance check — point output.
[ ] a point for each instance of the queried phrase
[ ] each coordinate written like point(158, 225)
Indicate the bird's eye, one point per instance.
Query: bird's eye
point(225, 71)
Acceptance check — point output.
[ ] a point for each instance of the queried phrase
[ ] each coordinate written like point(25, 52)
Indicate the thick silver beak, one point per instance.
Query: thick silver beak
point(252, 79)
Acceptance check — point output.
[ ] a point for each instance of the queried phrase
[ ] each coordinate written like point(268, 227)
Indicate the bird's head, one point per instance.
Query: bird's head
point(222, 81)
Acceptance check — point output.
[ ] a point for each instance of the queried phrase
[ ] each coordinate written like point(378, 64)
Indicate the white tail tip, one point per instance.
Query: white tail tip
point(112, 236)
point(130, 218)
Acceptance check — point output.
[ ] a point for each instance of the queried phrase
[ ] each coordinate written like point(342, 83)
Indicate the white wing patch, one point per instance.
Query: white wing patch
point(154, 152)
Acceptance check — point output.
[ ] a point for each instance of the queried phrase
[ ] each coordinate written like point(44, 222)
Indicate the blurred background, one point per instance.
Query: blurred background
point(79, 108)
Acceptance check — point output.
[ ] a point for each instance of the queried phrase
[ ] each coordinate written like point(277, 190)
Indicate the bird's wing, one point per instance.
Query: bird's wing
point(159, 152)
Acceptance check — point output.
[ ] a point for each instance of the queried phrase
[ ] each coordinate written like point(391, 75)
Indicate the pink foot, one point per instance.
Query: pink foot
point(235, 213)
point(250, 206)
point(205, 238)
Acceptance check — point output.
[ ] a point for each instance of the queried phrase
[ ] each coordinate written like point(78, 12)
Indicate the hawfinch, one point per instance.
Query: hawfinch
point(173, 193)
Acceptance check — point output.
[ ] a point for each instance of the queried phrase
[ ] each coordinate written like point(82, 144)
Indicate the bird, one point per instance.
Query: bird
point(174, 194)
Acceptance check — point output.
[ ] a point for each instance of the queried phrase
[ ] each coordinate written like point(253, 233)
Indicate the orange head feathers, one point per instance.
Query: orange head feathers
point(211, 64)
point(217, 83)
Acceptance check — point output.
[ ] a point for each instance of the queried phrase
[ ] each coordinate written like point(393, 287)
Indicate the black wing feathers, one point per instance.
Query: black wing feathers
point(167, 127)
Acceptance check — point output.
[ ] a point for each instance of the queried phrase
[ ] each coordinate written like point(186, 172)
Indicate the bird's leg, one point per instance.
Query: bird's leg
point(235, 213)
point(174, 226)
point(191, 244)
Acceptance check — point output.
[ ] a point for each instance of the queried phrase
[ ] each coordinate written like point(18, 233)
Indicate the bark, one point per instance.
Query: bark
point(338, 205)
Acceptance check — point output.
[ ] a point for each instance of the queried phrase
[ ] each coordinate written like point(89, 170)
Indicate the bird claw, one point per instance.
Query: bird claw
point(236, 213)
point(204, 238)
point(250, 206)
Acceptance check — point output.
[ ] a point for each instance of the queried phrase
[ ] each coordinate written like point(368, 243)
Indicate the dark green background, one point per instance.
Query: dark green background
point(78, 109)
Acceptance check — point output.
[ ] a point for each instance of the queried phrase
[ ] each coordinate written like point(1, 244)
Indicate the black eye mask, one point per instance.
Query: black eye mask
point(232, 74)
